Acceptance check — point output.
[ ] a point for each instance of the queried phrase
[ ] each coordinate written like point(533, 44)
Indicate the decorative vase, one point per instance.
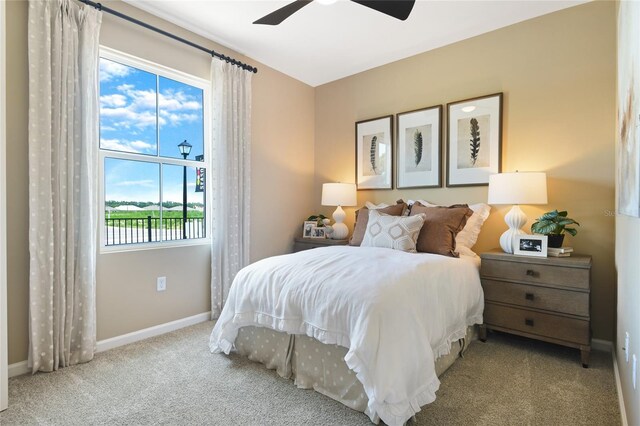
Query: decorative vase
point(555, 240)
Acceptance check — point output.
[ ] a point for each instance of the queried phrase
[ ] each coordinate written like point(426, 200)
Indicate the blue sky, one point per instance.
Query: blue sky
point(128, 122)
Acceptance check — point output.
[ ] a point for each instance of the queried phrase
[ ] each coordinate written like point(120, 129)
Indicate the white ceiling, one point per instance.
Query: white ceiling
point(319, 44)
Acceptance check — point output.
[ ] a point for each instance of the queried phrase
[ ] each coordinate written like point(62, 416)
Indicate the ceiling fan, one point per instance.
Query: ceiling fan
point(399, 9)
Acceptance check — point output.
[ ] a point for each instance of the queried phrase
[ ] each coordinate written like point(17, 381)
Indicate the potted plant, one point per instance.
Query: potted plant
point(554, 225)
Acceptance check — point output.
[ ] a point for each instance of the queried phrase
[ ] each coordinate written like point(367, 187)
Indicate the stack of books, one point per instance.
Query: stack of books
point(559, 252)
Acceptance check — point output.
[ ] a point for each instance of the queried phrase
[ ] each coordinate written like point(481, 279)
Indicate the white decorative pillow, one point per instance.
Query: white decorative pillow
point(394, 232)
point(468, 236)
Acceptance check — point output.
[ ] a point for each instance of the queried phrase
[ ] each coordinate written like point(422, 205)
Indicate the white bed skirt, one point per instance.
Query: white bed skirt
point(318, 366)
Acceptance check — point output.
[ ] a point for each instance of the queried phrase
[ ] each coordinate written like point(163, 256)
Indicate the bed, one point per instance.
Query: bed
point(370, 327)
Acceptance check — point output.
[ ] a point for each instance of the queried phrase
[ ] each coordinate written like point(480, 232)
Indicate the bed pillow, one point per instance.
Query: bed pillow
point(362, 218)
point(394, 232)
point(371, 206)
point(468, 236)
point(441, 225)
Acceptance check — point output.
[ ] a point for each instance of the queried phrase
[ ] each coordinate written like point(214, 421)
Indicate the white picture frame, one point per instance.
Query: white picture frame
point(530, 245)
point(374, 153)
point(307, 228)
point(318, 232)
point(418, 160)
point(474, 140)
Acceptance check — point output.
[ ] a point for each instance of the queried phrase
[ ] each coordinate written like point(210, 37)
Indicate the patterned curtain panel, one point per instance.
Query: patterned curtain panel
point(63, 144)
point(231, 154)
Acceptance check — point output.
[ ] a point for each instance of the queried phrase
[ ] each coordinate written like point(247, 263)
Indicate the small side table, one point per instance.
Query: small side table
point(544, 298)
point(311, 243)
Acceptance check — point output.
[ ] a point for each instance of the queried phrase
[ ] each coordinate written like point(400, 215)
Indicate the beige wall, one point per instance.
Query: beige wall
point(557, 73)
point(282, 164)
point(628, 267)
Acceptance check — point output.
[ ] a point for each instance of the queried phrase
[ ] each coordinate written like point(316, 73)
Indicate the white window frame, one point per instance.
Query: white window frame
point(200, 83)
point(4, 363)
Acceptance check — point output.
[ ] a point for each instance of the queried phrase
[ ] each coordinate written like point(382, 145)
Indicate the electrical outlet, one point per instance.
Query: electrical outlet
point(626, 346)
point(161, 284)
point(633, 371)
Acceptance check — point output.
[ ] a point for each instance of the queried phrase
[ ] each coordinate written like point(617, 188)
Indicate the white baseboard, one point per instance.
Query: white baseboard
point(601, 345)
point(125, 339)
point(616, 373)
point(20, 368)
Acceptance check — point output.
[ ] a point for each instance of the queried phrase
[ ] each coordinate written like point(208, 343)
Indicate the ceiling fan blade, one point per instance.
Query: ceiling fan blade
point(274, 18)
point(399, 9)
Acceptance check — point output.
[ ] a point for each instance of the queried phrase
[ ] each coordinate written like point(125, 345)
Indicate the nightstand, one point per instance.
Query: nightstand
point(544, 298)
point(310, 243)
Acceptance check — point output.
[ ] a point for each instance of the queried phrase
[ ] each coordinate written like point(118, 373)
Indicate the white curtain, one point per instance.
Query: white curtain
point(231, 184)
point(63, 144)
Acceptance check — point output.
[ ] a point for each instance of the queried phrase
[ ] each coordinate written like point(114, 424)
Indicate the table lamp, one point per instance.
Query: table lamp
point(516, 188)
point(339, 194)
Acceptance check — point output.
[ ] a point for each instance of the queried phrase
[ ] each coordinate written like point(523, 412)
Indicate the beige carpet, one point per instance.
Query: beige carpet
point(174, 380)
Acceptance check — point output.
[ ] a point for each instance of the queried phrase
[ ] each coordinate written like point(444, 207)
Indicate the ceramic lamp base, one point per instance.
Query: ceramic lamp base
point(515, 219)
point(340, 230)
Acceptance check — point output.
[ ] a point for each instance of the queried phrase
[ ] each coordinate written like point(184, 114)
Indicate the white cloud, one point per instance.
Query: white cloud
point(110, 70)
point(129, 117)
point(115, 100)
point(149, 183)
point(136, 146)
point(171, 100)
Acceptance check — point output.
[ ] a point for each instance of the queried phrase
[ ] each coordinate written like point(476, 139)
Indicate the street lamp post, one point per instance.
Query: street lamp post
point(185, 149)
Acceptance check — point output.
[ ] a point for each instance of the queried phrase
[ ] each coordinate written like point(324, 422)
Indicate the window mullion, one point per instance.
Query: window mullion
point(161, 210)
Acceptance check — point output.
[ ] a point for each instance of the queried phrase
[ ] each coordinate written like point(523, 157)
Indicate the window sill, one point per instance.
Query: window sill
point(128, 248)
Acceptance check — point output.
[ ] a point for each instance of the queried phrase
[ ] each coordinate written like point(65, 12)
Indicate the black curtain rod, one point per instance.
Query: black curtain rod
point(168, 34)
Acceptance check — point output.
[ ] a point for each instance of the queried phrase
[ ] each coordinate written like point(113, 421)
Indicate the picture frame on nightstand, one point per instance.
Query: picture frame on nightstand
point(307, 228)
point(318, 232)
point(530, 245)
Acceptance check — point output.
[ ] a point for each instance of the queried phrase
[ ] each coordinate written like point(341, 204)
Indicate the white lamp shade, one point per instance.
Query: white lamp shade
point(339, 194)
point(518, 188)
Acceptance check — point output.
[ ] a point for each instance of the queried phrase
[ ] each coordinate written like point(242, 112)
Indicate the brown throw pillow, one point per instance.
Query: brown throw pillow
point(362, 218)
point(441, 225)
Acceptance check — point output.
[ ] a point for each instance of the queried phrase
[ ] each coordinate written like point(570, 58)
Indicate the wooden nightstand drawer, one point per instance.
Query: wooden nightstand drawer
point(531, 296)
point(311, 243)
point(535, 273)
point(538, 323)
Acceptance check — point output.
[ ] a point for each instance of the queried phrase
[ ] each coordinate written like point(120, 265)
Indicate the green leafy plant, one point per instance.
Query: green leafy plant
point(554, 223)
point(318, 218)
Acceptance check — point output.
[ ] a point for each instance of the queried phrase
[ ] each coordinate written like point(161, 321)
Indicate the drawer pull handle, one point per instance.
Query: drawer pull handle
point(529, 296)
point(528, 322)
point(532, 273)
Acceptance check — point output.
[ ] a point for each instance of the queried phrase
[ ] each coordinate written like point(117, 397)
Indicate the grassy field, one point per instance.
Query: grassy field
point(155, 214)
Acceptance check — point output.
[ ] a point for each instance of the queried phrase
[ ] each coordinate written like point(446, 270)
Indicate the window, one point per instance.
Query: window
point(153, 140)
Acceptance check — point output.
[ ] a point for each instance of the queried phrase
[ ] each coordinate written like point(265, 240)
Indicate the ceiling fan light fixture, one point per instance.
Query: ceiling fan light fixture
point(326, 2)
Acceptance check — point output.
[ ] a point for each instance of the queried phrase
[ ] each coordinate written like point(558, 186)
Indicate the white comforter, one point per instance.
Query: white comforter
point(395, 312)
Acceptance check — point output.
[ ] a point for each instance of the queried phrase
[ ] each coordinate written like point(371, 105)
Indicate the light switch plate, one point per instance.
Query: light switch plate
point(161, 284)
point(626, 346)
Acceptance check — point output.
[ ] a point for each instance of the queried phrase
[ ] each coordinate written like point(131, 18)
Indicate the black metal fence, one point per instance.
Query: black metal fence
point(149, 229)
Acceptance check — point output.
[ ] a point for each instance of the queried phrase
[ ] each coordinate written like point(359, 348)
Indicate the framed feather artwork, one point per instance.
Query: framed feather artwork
point(419, 148)
point(474, 140)
point(374, 153)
